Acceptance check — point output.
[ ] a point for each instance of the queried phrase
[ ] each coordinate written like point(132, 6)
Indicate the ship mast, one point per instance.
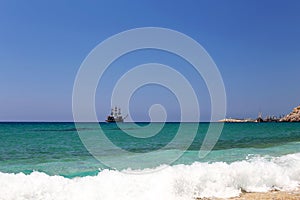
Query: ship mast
point(119, 113)
point(116, 112)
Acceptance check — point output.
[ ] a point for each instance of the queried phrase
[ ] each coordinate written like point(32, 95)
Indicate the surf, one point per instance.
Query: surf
point(184, 182)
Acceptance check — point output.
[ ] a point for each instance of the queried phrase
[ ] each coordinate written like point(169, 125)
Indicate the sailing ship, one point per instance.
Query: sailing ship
point(115, 116)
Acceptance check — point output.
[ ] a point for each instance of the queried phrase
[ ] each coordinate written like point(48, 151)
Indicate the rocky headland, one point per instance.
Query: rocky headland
point(294, 116)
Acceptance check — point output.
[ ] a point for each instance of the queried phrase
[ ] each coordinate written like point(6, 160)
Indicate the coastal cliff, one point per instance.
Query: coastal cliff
point(294, 116)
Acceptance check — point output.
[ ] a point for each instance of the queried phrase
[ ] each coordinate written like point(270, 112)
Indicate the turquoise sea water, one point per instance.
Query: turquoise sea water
point(56, 148)
point(50, 149)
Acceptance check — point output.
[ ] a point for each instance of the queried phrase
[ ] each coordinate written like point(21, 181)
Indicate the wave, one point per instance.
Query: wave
point(219, 180)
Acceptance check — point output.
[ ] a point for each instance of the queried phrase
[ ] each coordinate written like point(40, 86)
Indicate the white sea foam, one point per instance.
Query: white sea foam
point(173, 182)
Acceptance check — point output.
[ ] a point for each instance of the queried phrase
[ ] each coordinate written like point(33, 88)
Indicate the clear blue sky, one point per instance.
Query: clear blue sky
point(255, 44)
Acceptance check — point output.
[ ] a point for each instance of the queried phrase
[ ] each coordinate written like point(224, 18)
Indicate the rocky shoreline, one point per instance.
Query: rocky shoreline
point(294, 116)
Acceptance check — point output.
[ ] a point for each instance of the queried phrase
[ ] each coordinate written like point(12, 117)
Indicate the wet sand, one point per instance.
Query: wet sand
point(274, 195)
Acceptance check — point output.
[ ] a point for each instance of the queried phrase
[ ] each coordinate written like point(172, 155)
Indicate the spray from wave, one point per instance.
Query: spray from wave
point(182, 182)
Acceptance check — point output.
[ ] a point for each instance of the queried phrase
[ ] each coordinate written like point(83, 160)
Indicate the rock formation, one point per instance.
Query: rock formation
point(294, 116)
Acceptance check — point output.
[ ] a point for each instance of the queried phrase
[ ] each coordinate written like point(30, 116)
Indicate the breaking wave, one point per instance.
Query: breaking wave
point(219, 179)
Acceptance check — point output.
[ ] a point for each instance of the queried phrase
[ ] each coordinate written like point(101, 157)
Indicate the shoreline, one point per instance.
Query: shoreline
point(271, 195)
point(274, 195)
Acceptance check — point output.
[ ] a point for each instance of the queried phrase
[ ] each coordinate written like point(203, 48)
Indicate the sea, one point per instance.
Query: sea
point(105, 161)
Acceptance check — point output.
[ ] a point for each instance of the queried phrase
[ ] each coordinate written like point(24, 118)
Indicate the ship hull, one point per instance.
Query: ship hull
point(113, 121)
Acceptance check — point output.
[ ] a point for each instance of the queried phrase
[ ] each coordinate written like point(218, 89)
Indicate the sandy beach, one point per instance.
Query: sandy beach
point(274, 195)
